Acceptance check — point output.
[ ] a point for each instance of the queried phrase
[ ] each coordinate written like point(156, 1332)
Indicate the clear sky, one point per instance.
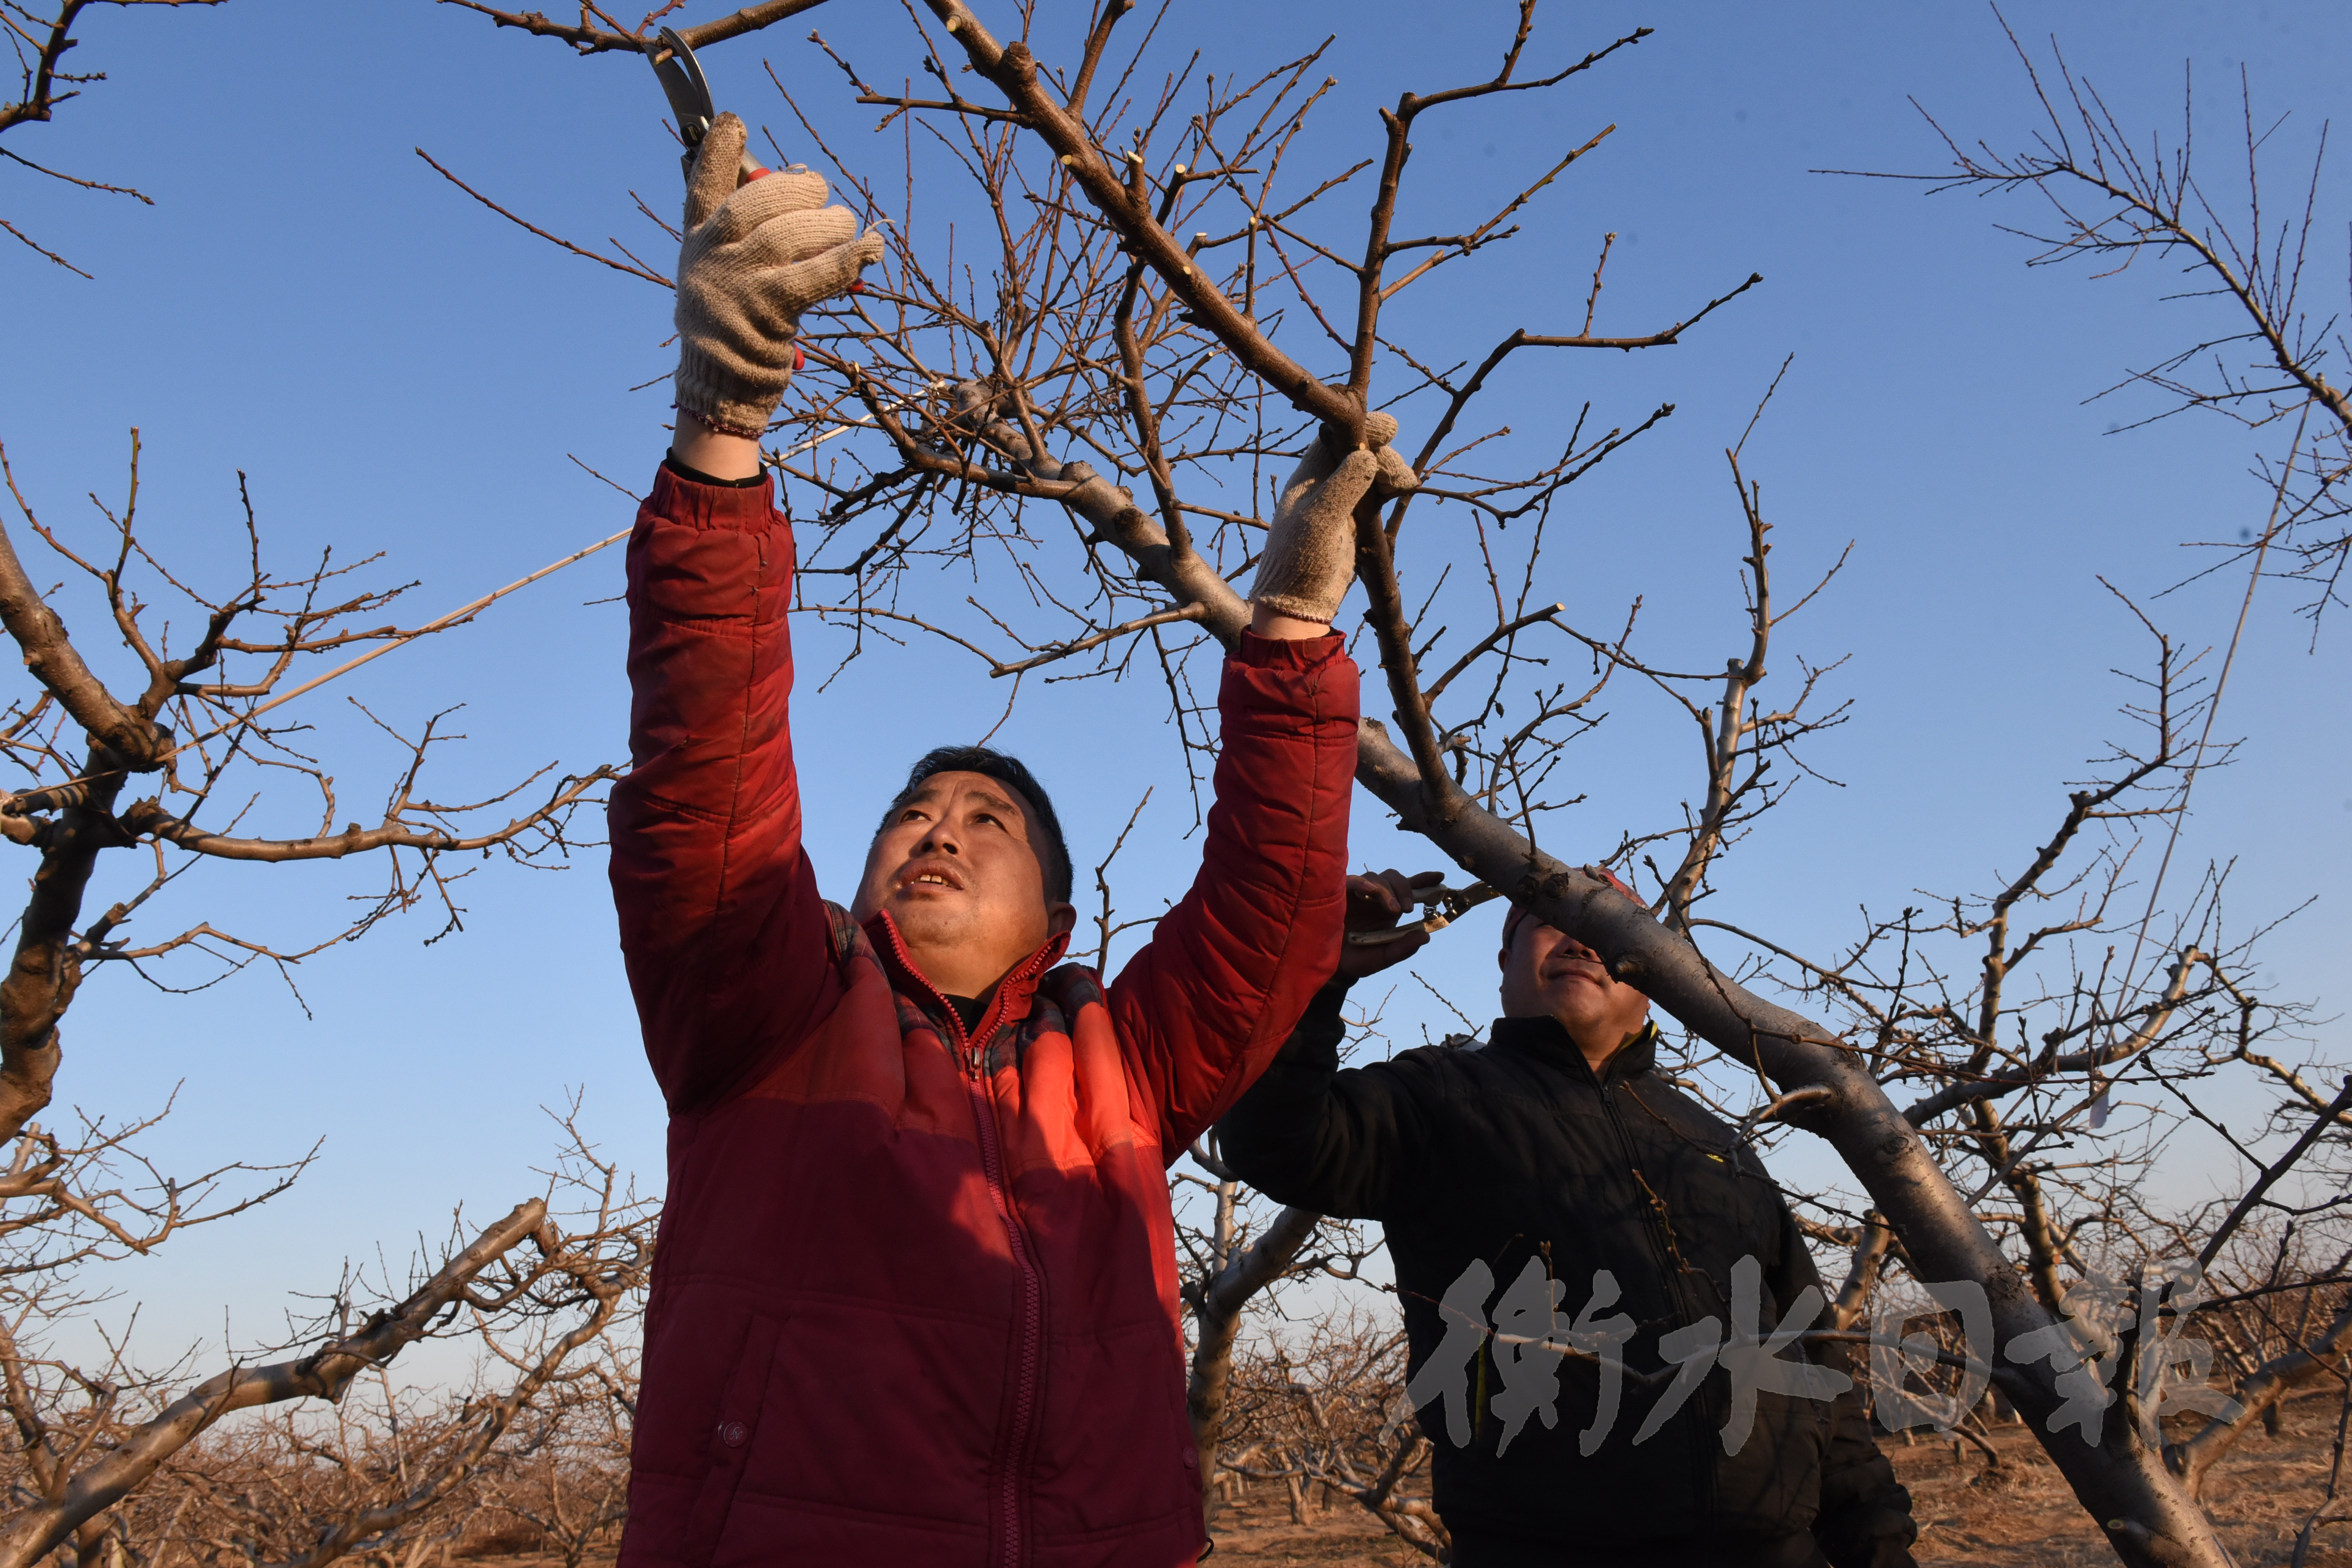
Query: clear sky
point(395, 368)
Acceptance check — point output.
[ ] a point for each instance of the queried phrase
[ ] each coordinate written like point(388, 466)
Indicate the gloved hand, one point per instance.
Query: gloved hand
point(753, 259)
point(1311, 551)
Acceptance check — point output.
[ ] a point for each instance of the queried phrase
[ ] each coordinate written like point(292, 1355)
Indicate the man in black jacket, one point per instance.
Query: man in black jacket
point(1552, 1204)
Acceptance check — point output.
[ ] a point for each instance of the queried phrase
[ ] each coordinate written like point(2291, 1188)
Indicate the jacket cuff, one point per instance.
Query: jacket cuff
point(740, 507)
point(1315, 1039)
point(687, 471)
point(1323, 1009)
point(1286, 653)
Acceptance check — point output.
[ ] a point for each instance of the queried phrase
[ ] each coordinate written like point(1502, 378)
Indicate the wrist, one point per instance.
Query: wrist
point(718, 453)
point(723, 400)
point(692, 475)
point(1269, 622)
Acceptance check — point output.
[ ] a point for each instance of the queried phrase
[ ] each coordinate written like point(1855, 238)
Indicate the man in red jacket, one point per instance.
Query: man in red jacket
point(915, 1299)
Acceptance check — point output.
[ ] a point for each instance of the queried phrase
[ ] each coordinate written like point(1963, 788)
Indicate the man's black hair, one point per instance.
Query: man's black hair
point(1004, 770)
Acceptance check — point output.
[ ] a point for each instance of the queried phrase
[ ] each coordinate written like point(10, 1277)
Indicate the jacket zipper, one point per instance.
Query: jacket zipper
point(1024, 1397)
point(1693, 1415)
point(1013, 1478)
point(1660, 1254)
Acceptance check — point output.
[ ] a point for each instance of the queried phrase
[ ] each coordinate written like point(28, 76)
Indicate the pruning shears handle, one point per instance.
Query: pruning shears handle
point(682, 82)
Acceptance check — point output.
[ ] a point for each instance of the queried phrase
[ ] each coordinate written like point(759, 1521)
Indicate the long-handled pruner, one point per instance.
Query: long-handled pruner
point(688, 92)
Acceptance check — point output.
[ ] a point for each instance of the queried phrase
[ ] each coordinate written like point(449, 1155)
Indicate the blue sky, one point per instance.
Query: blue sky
point(396, 369)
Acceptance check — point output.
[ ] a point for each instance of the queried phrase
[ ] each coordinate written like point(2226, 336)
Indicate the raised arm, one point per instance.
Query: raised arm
point(1206, 1003)
point(720, 924)
point(1312, 1135)
point(724, 935)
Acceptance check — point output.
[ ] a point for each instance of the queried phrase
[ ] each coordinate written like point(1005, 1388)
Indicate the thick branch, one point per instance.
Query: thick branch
point(1939, 1230)
point(44, 973)
point(1217, 1317)
point(51, 657)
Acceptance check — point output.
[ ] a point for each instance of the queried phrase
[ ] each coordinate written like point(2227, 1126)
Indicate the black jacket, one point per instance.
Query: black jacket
point(1514, 1150)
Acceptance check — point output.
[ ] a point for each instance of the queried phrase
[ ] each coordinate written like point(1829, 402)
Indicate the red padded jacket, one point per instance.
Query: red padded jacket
point(914, 1299)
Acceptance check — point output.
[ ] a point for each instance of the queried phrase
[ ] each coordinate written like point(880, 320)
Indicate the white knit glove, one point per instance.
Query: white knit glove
point(753, 259)
point(1311, 551)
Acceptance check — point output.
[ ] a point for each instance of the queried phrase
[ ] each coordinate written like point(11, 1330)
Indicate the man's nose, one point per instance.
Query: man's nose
point(941, 839)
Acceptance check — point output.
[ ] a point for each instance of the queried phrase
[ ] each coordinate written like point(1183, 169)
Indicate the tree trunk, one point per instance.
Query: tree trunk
point(1217, 1320)
point(46, 970)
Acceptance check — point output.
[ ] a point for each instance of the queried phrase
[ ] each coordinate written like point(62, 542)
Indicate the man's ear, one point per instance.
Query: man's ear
point(1503, 959)
point(1061, 919)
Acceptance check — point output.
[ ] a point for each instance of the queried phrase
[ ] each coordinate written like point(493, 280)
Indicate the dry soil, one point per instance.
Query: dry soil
point(2020, 1516)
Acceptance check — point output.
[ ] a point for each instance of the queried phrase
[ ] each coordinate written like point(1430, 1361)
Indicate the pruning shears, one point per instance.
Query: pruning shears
point(688, 92)
point(1445, 905)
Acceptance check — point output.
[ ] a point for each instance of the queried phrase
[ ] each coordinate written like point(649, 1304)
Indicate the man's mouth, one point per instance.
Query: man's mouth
point(931, 876)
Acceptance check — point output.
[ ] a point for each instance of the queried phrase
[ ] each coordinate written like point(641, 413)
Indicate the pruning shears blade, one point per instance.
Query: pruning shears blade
point(688, 91)
point(683, 83)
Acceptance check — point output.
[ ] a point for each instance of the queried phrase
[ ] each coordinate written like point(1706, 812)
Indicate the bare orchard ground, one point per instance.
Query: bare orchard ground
point(2260, 1495)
